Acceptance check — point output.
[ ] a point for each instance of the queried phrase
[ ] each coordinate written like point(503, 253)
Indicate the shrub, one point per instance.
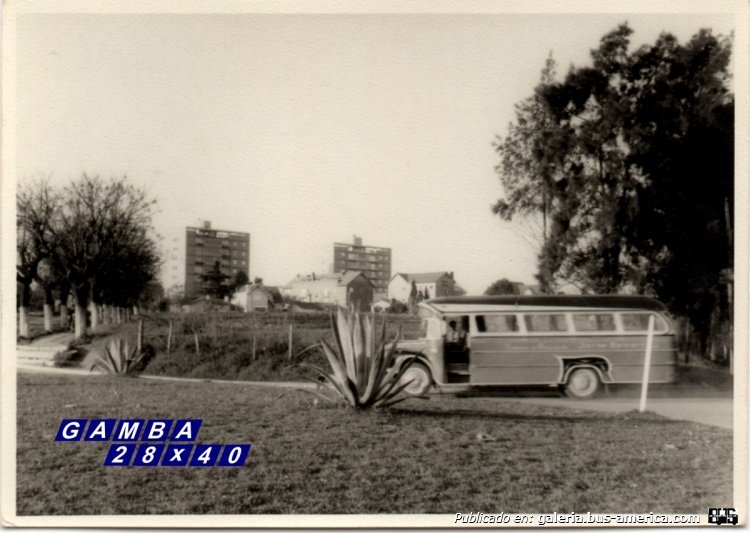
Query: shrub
point(363, 374)
point(122, 360)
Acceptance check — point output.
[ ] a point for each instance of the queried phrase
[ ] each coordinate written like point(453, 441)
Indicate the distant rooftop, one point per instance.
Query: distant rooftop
point(342, 278)
point(424, 277)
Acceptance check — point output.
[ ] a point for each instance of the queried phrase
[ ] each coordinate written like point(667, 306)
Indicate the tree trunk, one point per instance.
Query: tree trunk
point(49, 302)
point(81, 298)
point(94, 310)
point(64, 317)
point(64, 294)
point(80, 319)
point(23, 311)
point(48, 318)
point(23, 322)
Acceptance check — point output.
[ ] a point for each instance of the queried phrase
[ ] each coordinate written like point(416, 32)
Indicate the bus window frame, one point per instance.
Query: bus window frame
point(568, 324)
point(661, 323)
point(474, 327)
point(612, 314)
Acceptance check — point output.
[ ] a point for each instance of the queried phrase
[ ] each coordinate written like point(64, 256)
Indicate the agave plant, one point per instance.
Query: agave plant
point(120, 359)
point(364, 373)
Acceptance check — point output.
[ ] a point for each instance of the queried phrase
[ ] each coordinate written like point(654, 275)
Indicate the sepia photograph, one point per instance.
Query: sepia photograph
point(359, 264)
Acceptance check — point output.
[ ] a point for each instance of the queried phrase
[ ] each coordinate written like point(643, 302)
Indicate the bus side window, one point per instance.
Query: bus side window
point(639, 322)
point(546, 323)
point(594, 322)
point(497, 323)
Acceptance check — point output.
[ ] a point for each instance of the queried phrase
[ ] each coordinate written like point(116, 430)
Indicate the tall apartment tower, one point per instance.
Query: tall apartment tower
point(373, 261)
point(204, 246)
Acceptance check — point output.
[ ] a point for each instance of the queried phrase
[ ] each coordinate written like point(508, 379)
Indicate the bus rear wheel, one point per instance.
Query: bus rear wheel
point(420, 377)
point(583, 383)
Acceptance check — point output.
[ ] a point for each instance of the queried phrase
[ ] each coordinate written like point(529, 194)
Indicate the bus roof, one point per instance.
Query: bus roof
point(607, 301)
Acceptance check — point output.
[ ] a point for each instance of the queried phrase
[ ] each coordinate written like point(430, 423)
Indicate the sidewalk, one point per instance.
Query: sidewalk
point(41, 352)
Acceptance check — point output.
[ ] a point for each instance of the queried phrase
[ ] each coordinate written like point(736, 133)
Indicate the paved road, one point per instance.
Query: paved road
point(712, 411)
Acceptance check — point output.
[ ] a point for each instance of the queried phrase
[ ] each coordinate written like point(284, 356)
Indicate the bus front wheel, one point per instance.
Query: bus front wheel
point(420, 377)
point(583, 383)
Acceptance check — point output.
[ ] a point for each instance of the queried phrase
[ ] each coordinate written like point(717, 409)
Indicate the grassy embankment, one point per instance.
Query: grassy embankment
point(225, 343)
point(423, 457)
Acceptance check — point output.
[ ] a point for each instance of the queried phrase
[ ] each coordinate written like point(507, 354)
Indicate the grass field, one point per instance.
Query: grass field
point(423, 457)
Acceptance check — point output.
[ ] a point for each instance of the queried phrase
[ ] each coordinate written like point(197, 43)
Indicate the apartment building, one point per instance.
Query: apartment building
point(373, 261)
point(205, 246)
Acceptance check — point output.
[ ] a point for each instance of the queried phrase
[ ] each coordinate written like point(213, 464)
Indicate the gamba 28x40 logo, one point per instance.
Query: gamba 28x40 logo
point(722, 515)
point(153, 442)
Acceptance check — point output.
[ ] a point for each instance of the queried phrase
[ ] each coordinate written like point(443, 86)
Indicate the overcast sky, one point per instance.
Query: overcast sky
point(306, 129)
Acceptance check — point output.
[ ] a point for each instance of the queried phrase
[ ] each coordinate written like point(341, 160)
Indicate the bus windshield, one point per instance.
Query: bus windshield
point(428, 326)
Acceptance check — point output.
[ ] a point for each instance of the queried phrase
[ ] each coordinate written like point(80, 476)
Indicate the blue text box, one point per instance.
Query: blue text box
point(177, 455)
point(156, 430)
point(71, 429)
point(234, 454)
point(128, 430)
point(186, 430)
point(148, 454)
point(205, 454)
point(119, 455)
point(100, 429)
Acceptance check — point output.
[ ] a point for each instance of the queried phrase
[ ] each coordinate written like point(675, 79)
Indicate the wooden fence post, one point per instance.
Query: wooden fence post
point(169, 337)
point(140, 336)
point(290, 340)
point(197, 346)
point(647, 363)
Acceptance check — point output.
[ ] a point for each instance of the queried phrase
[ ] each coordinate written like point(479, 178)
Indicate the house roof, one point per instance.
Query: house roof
point(342, 279)
point(310, 306)
point(273, 293)
point(458, 289)
point(534, 289)
point(423, 277)
point(350, 275)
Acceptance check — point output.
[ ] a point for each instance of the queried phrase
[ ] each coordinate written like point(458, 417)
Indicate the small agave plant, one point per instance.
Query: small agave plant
point(363, 372)
point(120, 359)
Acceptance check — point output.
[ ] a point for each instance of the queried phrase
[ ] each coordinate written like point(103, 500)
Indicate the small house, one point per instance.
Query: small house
point(342, 289)
point(258, 297)
point(429, 284)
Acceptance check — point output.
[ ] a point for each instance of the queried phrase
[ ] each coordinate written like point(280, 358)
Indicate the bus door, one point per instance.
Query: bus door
point(456, 348)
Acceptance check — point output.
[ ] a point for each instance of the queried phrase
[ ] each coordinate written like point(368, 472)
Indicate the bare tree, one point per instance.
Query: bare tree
point(37, 208)
point(104, 224)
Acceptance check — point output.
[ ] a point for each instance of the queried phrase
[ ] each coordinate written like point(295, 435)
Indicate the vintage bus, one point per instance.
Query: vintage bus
point(575, 343)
